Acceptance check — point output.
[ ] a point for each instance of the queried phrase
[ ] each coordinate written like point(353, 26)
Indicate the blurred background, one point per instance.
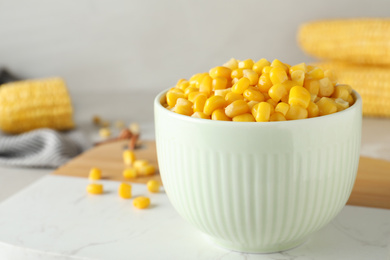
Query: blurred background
point(119, 46)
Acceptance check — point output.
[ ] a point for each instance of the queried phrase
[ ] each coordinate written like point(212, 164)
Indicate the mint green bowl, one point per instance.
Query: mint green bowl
point(258, 187)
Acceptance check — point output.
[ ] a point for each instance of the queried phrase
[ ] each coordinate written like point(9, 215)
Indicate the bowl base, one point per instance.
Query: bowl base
point(258, 249)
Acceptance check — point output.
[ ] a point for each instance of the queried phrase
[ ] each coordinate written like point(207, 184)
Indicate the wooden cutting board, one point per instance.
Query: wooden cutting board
point(372, 186)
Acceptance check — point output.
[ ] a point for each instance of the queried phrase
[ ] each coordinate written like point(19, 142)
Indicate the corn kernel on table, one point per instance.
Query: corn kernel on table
point(44, 216)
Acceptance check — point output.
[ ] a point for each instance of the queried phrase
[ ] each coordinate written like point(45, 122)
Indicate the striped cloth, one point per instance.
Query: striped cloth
point(41, 148)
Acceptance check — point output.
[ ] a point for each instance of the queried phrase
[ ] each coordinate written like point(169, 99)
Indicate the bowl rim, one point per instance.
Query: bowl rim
point(158, 105)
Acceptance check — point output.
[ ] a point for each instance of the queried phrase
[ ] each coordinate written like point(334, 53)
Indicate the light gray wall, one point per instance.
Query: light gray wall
point(128, 45)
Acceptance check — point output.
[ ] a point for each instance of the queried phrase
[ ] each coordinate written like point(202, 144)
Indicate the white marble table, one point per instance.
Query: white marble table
point(51, 217)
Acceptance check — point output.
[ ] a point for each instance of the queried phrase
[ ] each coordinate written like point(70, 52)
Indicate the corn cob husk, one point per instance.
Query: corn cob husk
point(361, 41)
point(371, 82)
point(32, 104)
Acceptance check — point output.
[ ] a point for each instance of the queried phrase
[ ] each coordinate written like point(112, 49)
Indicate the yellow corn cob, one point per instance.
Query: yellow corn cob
point(31, 104)
point(362, 41)
point(371, 82)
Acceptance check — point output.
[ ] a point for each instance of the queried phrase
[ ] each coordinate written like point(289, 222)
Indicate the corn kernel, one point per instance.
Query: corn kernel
point(277, 63)
point(213, 103)
point(350, 100)
point(312, 110)
point(264, 83)
point(252, 103)
point(252, 94)
point(183, 85)
point(246, 64)
point(266, 69)
point(277, 91)
point(313, 86)
point(298, 77)
point(240, 86)
point(266, 96)
point(129, 173)
point(315, 73)
point(296, 112)
point(234, 81)
point(124, 190)
point(95, 188)
point(282, 108)
point(237, 73)
point(220, 115)
point(258, 66)
point(222, 92)
point(332, 77)
point(134, 128)
point(141, 202)
point(231, 64)
point(172, 97)
point(236, 108)
point(263, 111)
point(299, 67)
point(206, 86)
point(183, 107)
point(104, 132)
point(128, 157)
point(153, 186)
point(326, 106)
point(220, 71)
point(231, 97)
point(340, 91)
point(200, 115)
point(277, 116)
point(278, 75)
point(341, 104)
point(190, 90)
point(199, 103)
point(179, 82)
point(247, 117)
point(272, 102)
point(326, 87)
point(219, 83)
point(95, 174)
point(146, 170)
point(196, 79)
point(193, 95)
point(252, 76)
point(299, 96)
point(138, 164)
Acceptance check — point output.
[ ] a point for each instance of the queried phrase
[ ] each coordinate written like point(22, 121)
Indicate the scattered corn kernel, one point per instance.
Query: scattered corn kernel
point(153, 186)
point(95, 174)
point(104, 132)
point(146, 170)
point(138, 164)
point(128, 157)
point(141, 202)
point(95, 188)
point(124, 190)
point(129, 173)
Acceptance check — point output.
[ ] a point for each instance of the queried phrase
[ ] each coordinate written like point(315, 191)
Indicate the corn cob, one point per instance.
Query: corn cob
point(32, 104)
point(371, 82)
point(361, 41)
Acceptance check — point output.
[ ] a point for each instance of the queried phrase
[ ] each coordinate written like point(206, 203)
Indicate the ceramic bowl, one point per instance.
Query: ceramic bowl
point(258, 187)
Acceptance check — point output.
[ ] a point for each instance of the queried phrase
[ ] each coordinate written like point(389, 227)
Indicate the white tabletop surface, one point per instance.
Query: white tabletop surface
point(33, 226)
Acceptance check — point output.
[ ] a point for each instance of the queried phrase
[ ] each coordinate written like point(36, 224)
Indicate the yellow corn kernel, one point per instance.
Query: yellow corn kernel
point(278, 75)
point(231, 97)
point(326, 106)
point(234, 81)
point(348, 87)
point(231, 64)
point(104, 132)
point(183, 85)
point(141, 202)
point(313, 86)
point(129, 173)
point(222, 92)
point(197, 79)
point(220, 71)
point(236, 108)
point(213, 103)
point(199, 103)
point(138, 164)
point(326, 87)
point(298, 76)
point(277, 63)
point(190, 90)
point(95, 188)
point(350, 100)
point(266, 69)
point(183, 107)
point(264, 83)
point(219, 83)
point(153, 186)
point(277, 91)
point(282, 108)
point(206, 86)
point(200, 115)
point(252, 76)
point(284, 98)
point(272, 103)
point(252, 103)
point(252, 94)
point(179, 82)
point(277, 116)
point(240, 86)
point(172, 97)
point(312, 110)
point(263, 111)
point(258, 66)
point(315, 73)
point(237, 73)
point(247, 117)
point(246, 64)
point(193, 95)
point(95, 174)
point(266, 96)
point(124, 190)
point(340, 91)
point(301, 66)
point(341, 104)
point(299, 96)
point(128, 157)
point(220, 115)
point(330, 74)
point(316, 99)
point(146, 170)
point(296, 112)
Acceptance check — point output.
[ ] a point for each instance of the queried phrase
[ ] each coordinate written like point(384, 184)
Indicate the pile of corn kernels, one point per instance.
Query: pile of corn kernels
point(262, 91)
